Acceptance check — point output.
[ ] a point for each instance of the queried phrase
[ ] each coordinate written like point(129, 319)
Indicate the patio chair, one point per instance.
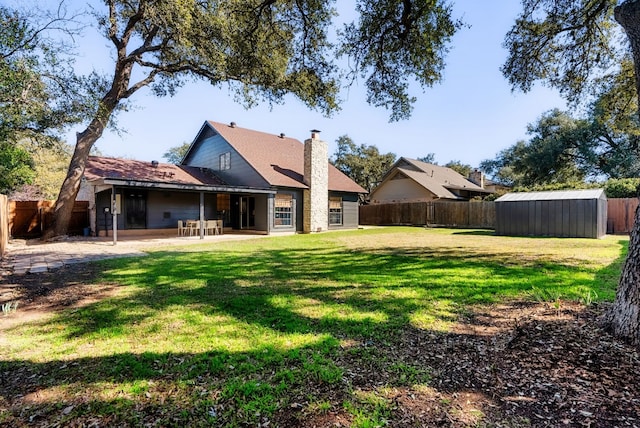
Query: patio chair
point(211, 227)
point(193, 227)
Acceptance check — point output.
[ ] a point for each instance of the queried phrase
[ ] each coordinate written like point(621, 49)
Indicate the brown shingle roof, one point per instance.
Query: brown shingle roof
point(99, 167)
point(279, 160)
point(445, 177)
point(437, 179)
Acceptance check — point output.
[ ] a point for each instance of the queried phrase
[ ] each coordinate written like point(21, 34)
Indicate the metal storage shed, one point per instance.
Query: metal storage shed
point(566, 213)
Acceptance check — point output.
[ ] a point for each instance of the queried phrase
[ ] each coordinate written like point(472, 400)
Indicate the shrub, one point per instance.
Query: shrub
point(622, 187)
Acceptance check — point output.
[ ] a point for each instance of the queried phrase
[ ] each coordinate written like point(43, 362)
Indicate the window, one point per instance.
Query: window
point(223, 202)
point(335, 211)
point(283, 210)
point(225, 161)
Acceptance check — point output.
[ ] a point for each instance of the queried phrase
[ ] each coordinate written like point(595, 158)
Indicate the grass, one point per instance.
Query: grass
point(231, 333)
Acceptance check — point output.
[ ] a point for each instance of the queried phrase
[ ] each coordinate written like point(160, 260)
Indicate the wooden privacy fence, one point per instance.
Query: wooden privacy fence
point(437, 213)
point(28, 219)
point(620, 214)
point(4, 224)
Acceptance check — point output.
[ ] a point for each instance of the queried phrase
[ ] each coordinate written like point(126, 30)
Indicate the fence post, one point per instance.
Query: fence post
point(4, 225)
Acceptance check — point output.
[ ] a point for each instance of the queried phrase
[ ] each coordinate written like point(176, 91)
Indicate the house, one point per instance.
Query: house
point(251, 180)
point(410, 180)
point(477, 177)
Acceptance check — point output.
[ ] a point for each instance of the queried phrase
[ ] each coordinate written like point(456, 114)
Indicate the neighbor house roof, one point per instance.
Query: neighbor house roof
point(278, 159)
point(553, 195)
point(439, 180)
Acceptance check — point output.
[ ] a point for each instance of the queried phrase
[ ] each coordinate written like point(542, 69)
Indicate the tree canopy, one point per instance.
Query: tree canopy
point(550, 156)
point(40, 94)
point(428, 158)
point(461, 168)
point(263, 50)
point(566, 44)
point(175, 154)
point(16, 167)
point(362, 163)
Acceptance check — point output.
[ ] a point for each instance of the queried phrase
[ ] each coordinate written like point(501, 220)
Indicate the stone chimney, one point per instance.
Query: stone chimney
point(316, 176)
point(477, 177)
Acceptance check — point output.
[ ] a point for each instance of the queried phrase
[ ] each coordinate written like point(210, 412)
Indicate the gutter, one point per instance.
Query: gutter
point(176, 186)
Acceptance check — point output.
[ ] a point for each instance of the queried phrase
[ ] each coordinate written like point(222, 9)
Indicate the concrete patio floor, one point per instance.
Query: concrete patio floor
point(33, 256)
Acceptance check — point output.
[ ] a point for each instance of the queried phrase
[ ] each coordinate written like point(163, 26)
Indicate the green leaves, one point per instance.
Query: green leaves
point(394, 42)
point(563, 43)
point(16, 167)
point(175, 154)
point(363, 164)
point(39, 93)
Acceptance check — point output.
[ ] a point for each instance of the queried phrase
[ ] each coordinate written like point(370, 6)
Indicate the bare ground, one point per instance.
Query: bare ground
point(508, 365)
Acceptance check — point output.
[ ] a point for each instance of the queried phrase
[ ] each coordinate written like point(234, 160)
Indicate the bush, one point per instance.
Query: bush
point(622, 187)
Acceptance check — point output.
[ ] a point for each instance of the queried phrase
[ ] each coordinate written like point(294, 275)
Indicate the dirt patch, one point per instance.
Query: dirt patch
point(535, 364)
point(509, 365)
point(41, 295)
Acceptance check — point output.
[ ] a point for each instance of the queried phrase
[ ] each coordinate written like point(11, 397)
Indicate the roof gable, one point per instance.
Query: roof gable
point(277, 158)
point(437, 179)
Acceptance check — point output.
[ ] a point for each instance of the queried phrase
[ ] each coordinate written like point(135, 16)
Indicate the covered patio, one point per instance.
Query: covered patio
point(132, 198)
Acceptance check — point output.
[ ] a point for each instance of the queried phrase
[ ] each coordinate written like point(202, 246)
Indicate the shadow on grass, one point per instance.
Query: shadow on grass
point(288, 317)
point(478, 232)
point(322, 291)
point(326, 290)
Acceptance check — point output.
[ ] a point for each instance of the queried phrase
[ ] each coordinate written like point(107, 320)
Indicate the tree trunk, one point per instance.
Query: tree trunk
point(623, 319)
point(84, 142)
point(71, 184)
point(628, 16)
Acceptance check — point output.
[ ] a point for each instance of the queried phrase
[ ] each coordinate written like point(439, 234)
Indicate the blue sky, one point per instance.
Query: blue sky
point(469, 117)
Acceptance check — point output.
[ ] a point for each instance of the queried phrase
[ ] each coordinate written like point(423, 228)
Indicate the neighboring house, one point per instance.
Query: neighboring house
point(410, 180)
point(251, 180)
point(477, 177)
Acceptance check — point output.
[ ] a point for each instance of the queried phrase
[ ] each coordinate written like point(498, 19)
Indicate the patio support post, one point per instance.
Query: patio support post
point(114, 212)
point(201, 215)
point(271, 207)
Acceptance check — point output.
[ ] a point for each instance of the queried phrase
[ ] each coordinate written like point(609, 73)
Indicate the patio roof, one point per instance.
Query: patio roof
point(133, 173)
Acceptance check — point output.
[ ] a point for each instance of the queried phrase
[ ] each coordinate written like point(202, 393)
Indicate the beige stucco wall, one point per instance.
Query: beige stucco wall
point(401, 190)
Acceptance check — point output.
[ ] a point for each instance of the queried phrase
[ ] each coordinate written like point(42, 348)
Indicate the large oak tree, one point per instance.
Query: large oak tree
point(264, 49)
point(570, 45)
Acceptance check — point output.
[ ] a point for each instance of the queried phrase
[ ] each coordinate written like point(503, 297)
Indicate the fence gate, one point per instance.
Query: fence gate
point(28, 219)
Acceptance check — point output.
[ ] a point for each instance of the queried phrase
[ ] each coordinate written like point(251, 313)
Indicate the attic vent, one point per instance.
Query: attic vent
point(233, 124)
point(154, 163)
point(282, 135)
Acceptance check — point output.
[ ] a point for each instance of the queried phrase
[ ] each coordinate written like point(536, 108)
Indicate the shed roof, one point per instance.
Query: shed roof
point(553, 195)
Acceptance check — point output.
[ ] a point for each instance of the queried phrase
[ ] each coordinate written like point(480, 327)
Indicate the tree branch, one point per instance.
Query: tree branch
point(141, 84)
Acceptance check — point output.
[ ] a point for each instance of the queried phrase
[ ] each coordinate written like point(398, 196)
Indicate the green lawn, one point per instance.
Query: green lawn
point(235, 333)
